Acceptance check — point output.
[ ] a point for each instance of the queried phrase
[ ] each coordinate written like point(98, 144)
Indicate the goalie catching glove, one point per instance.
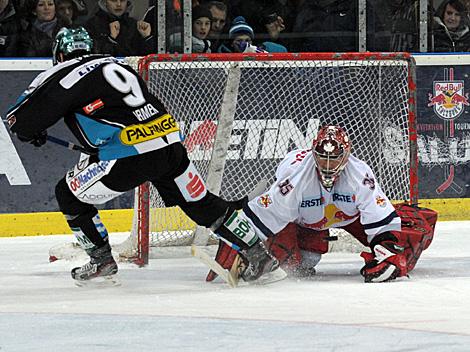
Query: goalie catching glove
point(396, 253)
point(387, 260)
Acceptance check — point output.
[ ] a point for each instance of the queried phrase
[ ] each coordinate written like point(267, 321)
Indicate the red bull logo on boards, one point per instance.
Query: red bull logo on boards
point(449, 99)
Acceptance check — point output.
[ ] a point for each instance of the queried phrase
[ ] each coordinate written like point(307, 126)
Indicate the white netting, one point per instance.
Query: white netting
point(278, 106)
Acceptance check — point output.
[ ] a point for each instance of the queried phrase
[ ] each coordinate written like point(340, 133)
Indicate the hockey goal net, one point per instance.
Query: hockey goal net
point(242, 113)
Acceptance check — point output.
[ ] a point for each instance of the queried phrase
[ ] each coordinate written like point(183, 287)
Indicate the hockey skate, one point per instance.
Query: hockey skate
point(101, 266)
point(261, 267)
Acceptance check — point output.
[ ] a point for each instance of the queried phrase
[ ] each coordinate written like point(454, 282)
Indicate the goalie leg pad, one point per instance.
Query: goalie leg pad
point(225, 256)
point(284, 246)
point(417, 231)
point(356, 230)
point(313, 241)
point(298, 249)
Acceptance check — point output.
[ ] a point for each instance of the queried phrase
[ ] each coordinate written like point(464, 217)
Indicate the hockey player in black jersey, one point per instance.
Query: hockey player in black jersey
point(133, 139)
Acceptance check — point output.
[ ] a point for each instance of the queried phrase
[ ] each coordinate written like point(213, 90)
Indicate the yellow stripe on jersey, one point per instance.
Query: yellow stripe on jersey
point(157, 128)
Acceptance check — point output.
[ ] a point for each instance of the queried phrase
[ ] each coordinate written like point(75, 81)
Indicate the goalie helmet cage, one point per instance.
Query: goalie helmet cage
point(241, 114)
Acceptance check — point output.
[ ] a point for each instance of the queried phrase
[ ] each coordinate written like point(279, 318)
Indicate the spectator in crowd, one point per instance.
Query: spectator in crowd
point(451, 27)
point(325, 25)
point(174, 23)
point(201, 19)
point(10, 29)
point(267, 17)
point(241, 37)
point(201, 25)
point(404, 25)
point(116, 33)
point(37, 40)
point(219, 13)
point(67, 10)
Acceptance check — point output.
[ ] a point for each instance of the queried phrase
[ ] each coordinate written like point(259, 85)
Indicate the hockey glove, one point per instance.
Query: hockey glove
point(38, 140)
point(386, 262)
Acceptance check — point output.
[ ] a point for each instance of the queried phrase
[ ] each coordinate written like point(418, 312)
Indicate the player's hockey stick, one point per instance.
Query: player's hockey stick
point(68, 145)
point(230, 277)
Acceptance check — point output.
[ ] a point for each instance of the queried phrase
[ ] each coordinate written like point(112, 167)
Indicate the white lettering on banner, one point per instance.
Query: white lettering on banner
point(395, 147)
point(10, 162)
point(261, 136)
point(272, 139)
point(434, 151)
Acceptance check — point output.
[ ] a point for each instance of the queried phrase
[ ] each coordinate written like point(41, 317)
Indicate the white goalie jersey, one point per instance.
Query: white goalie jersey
point(298, 196)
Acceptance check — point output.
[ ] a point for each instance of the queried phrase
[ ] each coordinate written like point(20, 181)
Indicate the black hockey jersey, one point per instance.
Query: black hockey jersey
point(103, 101)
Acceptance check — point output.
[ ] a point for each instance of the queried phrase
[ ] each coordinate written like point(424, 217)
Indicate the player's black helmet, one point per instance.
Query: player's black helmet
point(331, 150)
point(71, 42)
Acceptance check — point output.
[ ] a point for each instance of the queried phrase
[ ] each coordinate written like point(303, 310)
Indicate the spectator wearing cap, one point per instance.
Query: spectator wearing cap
point(241, 38)
point(202, 19)
point(240, 35)
point(114, 32)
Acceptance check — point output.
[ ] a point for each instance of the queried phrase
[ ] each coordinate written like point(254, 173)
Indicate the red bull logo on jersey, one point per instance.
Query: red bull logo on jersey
point(332, 216)
point(381, 202)
point(448, 99)
point(265, 201)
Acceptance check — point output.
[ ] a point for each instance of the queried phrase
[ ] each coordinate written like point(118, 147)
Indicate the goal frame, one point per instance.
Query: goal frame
point(142, 218)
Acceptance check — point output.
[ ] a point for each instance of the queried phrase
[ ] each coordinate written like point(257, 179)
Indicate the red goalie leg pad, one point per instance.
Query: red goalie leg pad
point(313, 241)
point(225, 257)
point(356, 230)
point(417, 231)
point(284, 246)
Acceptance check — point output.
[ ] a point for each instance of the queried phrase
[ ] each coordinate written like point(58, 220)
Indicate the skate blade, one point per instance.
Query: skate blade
point(101, 281)
point(269, 278)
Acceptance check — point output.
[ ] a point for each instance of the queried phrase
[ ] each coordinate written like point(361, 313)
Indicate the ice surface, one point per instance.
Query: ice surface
point(167, 306)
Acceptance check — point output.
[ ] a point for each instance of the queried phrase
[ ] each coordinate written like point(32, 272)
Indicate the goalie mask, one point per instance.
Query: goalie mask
point(331, 151)
point(71, 42)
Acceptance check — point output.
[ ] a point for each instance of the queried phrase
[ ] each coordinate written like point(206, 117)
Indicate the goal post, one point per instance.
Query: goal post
point(241, 113)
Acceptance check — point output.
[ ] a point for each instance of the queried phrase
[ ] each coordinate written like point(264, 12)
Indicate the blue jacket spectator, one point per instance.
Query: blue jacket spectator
point(241, 37)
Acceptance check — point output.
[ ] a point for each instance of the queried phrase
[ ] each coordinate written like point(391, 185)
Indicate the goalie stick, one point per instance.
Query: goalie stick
point(232, 276)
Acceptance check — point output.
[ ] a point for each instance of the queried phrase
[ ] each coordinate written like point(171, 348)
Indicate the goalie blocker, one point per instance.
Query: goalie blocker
point(394, 253)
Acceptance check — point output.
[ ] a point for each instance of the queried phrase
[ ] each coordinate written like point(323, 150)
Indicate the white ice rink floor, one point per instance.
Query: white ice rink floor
point(168, 306)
